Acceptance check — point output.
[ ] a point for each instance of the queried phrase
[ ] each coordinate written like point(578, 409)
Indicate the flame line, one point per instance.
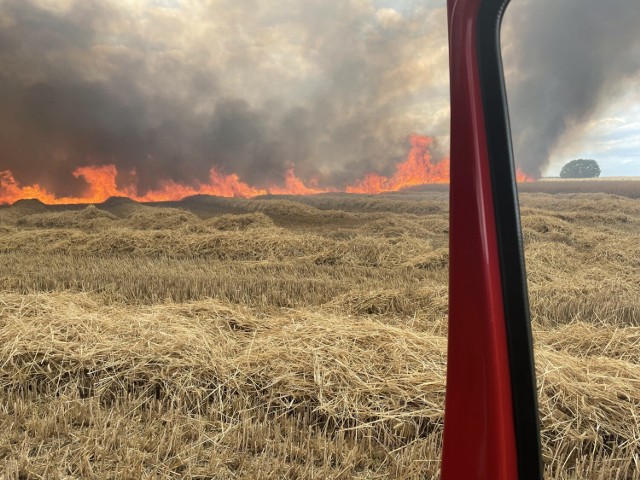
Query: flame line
point(417, 169)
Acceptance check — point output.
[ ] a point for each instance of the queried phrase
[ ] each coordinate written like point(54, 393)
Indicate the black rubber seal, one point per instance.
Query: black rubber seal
point(509, 236)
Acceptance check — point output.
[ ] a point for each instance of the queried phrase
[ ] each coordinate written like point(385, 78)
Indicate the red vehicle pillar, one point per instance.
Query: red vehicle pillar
point(491, 418)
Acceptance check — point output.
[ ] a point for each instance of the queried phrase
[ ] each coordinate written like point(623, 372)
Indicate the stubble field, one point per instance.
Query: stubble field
point(295, 337)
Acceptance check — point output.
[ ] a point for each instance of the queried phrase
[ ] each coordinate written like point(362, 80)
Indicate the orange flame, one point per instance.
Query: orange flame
point(522, 177)
point(417, 169)
point(294, 186)
point(101, 185)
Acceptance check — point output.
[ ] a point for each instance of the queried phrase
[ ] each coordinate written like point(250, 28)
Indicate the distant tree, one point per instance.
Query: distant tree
point(580, 169)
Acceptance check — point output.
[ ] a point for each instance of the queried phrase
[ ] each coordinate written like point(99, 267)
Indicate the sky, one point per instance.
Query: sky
point(573, 82)
point(166, 89)
point(611, 135)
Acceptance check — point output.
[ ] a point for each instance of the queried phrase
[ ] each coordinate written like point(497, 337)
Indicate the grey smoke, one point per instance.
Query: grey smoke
point(196, 85)
point(175, 87)
point(564, 59)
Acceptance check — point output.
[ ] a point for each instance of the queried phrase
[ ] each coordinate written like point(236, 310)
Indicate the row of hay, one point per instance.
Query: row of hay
point(139, 217)
point(135, 280)
point(263, 244)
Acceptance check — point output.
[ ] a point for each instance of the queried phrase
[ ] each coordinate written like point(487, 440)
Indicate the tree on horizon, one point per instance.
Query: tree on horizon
point(580, 168)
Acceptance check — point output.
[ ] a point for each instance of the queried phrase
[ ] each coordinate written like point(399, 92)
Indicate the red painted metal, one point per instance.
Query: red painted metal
point(479, 438)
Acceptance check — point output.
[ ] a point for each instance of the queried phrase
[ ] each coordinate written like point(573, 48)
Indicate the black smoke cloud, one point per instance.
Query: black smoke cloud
point(564, 60)
point(174, 90)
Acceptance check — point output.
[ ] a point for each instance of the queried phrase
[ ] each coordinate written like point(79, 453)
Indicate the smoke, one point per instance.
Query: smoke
point(168, 89)
point(564, 60)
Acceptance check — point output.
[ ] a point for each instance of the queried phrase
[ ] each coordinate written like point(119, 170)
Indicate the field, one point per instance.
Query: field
point(295, 337)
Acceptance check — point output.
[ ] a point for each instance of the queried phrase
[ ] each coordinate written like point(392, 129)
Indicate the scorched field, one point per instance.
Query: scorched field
point(297, 337)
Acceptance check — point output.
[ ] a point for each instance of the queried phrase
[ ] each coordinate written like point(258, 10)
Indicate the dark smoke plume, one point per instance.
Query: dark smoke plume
point(171, 88)
point(564, 58)
point(177, 87)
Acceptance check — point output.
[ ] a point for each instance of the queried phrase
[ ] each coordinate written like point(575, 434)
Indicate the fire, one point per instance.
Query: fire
point(219, 185)
point(294, 186)
point(522, 177)
point(417, 169)
point(10, 191)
